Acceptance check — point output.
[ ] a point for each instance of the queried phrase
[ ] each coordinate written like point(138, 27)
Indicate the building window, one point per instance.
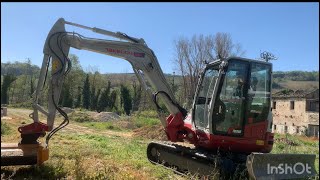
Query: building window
point(274, 104)
point(285, 129)
point(291, 105)
point(297, 129)
point(312, 105)
point(275, 127)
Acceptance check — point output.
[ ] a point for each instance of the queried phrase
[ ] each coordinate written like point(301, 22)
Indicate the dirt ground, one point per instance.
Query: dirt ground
point(18, 117)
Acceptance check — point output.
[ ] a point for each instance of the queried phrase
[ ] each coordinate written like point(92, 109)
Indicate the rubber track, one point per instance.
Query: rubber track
point(205, 159)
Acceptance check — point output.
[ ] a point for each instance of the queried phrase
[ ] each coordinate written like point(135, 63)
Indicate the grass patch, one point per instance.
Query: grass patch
point(126, 152)
point(103, 126)
point(52, 170)
point(143, 121)
point(293, 144)
point(5, 128)
point(145, 118)
point(147, 113)
point(88, 156)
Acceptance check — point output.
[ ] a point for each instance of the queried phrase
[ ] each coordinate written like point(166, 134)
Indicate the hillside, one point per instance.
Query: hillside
point(295, 80)
point(18, 68)
point(295, 85)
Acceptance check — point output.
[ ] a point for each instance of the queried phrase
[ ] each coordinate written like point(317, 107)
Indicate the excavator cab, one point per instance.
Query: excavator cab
point(232, 100)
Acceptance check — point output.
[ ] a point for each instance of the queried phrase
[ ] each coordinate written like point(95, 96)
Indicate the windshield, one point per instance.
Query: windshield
point(244, 97)
point(228, 111)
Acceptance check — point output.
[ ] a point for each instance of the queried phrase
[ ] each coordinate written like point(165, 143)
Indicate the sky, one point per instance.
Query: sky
point(288, 30)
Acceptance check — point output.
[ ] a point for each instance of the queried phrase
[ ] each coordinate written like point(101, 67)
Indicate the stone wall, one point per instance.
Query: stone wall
point(292, 121)
point(282, 114)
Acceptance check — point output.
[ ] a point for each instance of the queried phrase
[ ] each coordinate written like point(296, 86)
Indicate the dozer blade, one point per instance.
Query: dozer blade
point(280, 166)
point(23, 154)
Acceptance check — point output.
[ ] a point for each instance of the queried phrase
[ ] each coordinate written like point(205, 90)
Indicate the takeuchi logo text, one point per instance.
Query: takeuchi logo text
point(119, 51)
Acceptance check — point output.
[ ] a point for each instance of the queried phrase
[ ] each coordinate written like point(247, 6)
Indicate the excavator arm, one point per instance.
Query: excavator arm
point(135, 51)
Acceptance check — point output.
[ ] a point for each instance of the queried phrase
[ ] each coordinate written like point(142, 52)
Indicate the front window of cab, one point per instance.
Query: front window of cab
point(244, 97)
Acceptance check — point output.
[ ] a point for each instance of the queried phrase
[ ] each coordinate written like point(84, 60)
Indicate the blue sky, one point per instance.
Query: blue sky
point(288, 30)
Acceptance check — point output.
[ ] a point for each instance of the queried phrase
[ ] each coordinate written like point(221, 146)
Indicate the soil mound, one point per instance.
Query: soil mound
point(151, 132)
point(106, 116)
point(67, 110)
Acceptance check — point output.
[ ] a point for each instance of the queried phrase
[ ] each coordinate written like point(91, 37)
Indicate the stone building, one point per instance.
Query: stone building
point(296, 112)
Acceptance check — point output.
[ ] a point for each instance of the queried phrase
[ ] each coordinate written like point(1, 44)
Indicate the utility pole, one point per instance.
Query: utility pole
point(173, 87)
point(173, 79)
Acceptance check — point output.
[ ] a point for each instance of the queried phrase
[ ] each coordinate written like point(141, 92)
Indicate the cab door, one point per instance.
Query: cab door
point(204, 97)
point(228, 114)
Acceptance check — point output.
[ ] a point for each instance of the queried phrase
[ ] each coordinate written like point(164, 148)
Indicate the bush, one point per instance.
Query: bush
point(143, 121)
point(5, 129)
point(27, 105)
point(147, 114)
point(145, 118)
point(80, 117)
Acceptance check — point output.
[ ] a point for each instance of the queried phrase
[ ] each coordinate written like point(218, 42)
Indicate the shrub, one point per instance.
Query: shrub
point(81, 117)
point(5, 129)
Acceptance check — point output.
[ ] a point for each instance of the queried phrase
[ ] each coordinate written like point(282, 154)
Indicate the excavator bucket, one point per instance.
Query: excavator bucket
point(280, 166)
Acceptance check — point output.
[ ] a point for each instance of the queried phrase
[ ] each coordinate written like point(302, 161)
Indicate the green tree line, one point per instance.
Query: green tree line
point(86, 90)
point(98, 92)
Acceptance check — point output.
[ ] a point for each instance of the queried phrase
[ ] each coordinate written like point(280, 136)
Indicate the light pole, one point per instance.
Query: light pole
point(173, 79)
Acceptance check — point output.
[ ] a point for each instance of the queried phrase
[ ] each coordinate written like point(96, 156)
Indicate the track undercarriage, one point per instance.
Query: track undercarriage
point(197, 162)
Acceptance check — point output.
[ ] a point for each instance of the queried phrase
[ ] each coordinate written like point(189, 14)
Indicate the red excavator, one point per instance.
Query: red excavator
point(229, 125)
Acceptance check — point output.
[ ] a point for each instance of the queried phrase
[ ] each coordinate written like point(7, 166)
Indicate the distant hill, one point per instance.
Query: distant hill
point(296, 75)
point(281, 79)
point(304, 80)
point(18, 68)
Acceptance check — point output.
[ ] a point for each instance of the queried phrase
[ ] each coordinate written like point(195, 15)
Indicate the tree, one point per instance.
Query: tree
point(94, 95)
point(137, 91)
point(95, 99)
point(31, 86)
point(103, 102)
point(93, 104)
point(112, 100)
point(224, 46)
point(78, 101)
point(192, 55)
point(86, 93)
point(7, 80)
point(126, 99)
point(74, 80)
point(67, 100)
